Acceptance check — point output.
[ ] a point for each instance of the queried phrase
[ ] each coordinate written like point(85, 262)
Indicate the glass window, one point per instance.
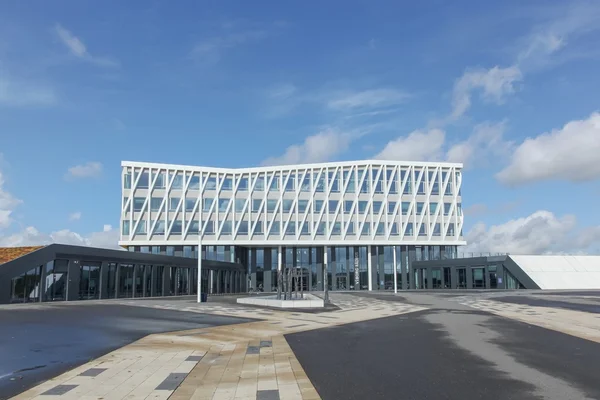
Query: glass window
point(127, 180)
point(377, 182)
point(239, 204)
point(291, 228)
point(287, 205)
point(275, 228)
point(211, 184)
point(209, 227)
point(194, 227)
point(408, 188)
point(258, 228)
point(320, 228)
point(160, 180)
point(243, 228)
point(141, 227)
point(394, 229)
point(350, 230)
point(376, 207)
point(337, 228)
point(362, 206)
point(320, 185)
point(138, 203)
point(176, 228)
point(348, 206)
point(305, 228)
point(437, 231)
point(226, 230)
point(365, 185)
point(391, 181)
point(366, 229)
point(126, 227)
point(422, 230)
point(243, 186)
point(432, 208)
point(420, 206)
point(349, 177)
point(207, 203)
point(291, 183)
point(256, 205)
point(260, 183)
point(173, 203)
point(302, 204)
point(405, 207)
point(271, 205)
point(159, 227)
point(447, 207)
point(189, 204)
point(410, 230)
point(177, 181)
point(318, 206)
point(450, 229)
point(143, 180)
point(227, 183)
point(195, 182)
point(275, 183)
point(380, 229)
point(155, 203)
point(306, 183)
point(223, 204)
point(334, 182)
point(421, 188)
point(332, 206)
point(391, 207)
point(459, 209)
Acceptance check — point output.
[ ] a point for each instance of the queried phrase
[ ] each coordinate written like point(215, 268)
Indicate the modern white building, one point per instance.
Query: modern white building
point(362, 221)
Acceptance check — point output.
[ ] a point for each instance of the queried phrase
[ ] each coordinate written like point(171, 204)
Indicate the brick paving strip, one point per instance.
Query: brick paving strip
point(243, 361)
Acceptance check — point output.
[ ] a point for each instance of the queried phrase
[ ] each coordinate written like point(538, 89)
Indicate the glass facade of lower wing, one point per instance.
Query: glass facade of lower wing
point(347, 266)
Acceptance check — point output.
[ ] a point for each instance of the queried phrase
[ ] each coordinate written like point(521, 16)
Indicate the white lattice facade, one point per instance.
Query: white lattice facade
point(332, 204)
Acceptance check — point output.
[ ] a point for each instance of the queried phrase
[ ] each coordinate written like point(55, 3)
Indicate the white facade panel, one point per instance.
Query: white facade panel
point(561, 272)
point(345, 203)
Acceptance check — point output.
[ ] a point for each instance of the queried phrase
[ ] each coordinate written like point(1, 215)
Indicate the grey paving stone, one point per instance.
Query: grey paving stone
point(267, 395)
point(172, 381)
point(253, 350)
point(59, 390)
point(93, 372)
point(266, 343)
point(194, 358)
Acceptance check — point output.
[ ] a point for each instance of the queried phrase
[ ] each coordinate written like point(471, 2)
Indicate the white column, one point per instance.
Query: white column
point(210, 280)
point(199, 268)
point(370, 276)
point(278, 258)
point(395, 269)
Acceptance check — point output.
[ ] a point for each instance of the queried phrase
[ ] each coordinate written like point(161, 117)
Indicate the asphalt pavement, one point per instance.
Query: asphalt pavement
point(447, 352)
point(40, 342)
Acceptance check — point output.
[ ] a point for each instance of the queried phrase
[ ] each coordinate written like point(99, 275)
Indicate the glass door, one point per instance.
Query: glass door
point(89, 281)
point(462, 278)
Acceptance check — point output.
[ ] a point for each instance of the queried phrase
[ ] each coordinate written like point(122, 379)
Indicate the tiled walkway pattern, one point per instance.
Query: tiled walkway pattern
point(572, 322)
point(244, 361)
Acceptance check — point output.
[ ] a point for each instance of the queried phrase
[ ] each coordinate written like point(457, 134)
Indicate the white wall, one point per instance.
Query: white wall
point(561, 272)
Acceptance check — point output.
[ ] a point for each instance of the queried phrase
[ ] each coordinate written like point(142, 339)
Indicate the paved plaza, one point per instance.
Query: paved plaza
point(413, 345)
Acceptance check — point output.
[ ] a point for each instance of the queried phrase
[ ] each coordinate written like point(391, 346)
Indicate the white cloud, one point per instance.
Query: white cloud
point(107, 238)
point(76, 216)
point(316, 148)
point(87, 170)
point(495, 84)
point(20, 93)
point(79, 50)
point(571, 153)
point(417, 146)
point(210, 50)
point(367, 99)
point(485, 141)
point(539, 233)
point(8, 203)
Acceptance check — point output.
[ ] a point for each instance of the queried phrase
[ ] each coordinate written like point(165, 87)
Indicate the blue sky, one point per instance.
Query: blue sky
point(509, 88)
